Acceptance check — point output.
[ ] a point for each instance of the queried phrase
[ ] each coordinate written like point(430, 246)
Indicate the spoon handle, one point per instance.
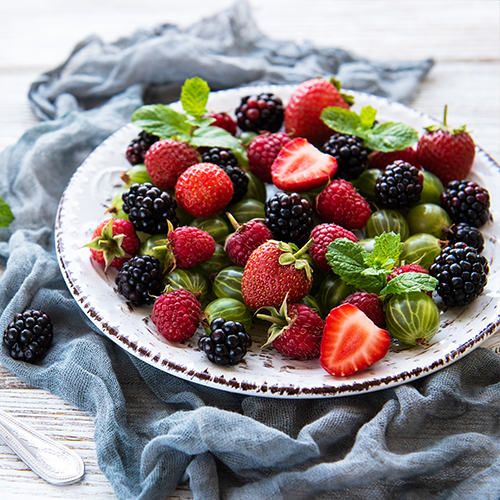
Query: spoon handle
point(51, 460)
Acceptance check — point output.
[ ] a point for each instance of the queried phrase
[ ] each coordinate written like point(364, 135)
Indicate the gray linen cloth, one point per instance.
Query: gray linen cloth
point(437, 437)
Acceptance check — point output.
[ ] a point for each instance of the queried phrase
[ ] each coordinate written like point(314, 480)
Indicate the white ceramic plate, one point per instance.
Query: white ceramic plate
point(263, 372)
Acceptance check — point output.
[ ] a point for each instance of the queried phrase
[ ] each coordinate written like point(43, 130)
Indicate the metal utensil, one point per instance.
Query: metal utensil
point(51, 460)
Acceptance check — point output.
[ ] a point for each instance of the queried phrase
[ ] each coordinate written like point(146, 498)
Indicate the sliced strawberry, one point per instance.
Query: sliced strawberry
point(300, 166)
point(351, 341)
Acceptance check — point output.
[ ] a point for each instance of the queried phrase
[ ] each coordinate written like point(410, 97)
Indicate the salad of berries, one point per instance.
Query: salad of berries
point(299, 232)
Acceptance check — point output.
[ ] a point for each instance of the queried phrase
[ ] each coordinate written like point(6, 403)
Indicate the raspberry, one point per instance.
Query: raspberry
point(176, 314)
point(139, 146)
point(370, 304)
point(466, 233)
point(323, 235)
point(341, 204)
point(260, 112)
point(28, 335)
point(380, 160)
point(350, 153)
point(223, 120)
point(262, 152)
point(227, 343)
point(190, 246)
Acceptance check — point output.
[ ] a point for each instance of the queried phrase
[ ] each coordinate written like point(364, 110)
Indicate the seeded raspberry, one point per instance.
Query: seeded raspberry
point(370, 304)
point(176, 314)
point(191, 246)
point(223, 120)
point(341, 204)
point(262, 152)
point(323, 235)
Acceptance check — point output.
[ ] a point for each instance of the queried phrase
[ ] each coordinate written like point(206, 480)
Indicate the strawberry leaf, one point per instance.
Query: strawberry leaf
point(410, 282)
point(194, 96)
point(162, 121)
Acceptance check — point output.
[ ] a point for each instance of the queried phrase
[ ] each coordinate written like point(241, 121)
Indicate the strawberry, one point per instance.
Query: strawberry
point(114, 242)
point(300, 167)
point(166, 160)
point(341, 204)
point(190, 246)
point(296, 330)
point(380, 159)
point(303, 112)
point(263, 151)
point(446, 152)
point(203, 190)
point(351, 341)
point(370, 304)
point(274, 271)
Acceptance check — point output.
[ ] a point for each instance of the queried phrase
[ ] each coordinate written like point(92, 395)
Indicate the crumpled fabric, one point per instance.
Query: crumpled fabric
point(436, 437)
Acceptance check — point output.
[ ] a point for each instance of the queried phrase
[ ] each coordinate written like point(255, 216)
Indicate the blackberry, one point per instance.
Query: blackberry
point(227, 343)
point(289, 217)
point(28, 335)
point(399, 186)
point(140, 279)
point(260, 112)
point(149, 208)
point(466, 201)
point(461, 272)
point(350, 153)
point(468, 234)
point(226, 159)
point(137, 149)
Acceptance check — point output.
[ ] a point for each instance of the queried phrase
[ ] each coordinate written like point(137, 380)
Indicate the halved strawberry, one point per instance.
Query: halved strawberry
point(351, 341)
point(300, 166)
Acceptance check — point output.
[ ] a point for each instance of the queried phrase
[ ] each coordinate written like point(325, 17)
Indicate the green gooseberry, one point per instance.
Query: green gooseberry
point(385, 221)
point(332, 292)
point(216, 263)
point(247, 209)
point(189, 279)
point(230, 309)
point(432, 188)
point(227, 283)
point(256, 188)
point(156, 246)
point(365, 183)
point(136, 174)
point(420, 248)
point(216, 226)
point(428, 218)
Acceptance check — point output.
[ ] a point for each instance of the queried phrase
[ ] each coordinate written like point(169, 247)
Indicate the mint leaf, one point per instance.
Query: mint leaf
point(386, 251)
point(162, 121)
point(367, 117)
point(391, 136)
point(410, 282)
point(6, 216)
point(342, 120)
point(194, 96)
point(213, 137)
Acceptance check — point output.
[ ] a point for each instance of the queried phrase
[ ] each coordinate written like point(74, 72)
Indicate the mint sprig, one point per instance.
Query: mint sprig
point(410, 282)
point(385, 137)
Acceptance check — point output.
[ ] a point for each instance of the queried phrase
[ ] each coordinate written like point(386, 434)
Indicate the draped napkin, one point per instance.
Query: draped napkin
point(437, 437)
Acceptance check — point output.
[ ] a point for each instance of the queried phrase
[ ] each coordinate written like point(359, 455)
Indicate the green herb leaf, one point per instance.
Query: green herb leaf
point(194, 96)
point(213, 137)
point(162, 121)
point(410, 282)
point(367, 117)
point(342, 120)
point(386, 251)
point(391, 136)
point(6, 216)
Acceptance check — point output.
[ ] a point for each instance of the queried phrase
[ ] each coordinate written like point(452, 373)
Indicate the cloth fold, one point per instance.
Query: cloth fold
point(437, 437)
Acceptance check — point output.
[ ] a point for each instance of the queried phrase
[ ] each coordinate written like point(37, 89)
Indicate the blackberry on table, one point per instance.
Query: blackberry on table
point(289, 218)
point(226, 159)
point(466, 233)
point(399, 186)
point(137, 149)
point(227, 343)
point(461, 272)
point(466, 201)
point(350, 153)
point(260, 112)
point(28, 335)
point(149, 208)
point(140, 279)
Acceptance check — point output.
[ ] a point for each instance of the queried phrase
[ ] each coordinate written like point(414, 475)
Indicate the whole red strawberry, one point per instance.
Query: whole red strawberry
point(176, 314)
point(167, 159)
point(247, 237)
point(296, 330)
point(114, 242)
point(223, 120)
point(203, 190)
point(370, 304)
point(323, 235)
point(446, 152)
point(380, 160)
point(341, 204)
point(262, 152)
point(274, 271)
point(190, 246)
point(303, 112)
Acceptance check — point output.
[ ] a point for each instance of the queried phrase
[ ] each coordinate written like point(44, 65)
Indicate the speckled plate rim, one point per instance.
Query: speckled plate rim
point(263, 373)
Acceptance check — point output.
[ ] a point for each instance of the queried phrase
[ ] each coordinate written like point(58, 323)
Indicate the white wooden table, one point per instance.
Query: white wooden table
point(463, 38)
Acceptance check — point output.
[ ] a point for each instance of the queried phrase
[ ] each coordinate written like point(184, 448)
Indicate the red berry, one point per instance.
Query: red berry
point(370, 304)
point(203, 190)
point(190, 246)
point(262, 152)
point(380, 160)
point(341, 204)
point(408, 268)
point(166, 160)
point(224, 121)
point(176, 314)
point(323, 235)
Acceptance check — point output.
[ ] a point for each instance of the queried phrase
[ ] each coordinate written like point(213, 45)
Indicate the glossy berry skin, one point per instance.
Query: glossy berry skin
point(138, 147)
point(466, 233)
point(350, 154)
point(370, 304)
point(303, 111)
point(380, 160)
point(224, 121)
point(257, 113)
point(167, 159)
point(323, 235)
point(176, 314)
point(190, 246)
point(247, 237)
point(341, 204)
point(262, 152)
point(203, 190)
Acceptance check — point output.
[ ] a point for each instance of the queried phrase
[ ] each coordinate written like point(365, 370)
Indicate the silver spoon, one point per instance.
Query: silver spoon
point(51, 460)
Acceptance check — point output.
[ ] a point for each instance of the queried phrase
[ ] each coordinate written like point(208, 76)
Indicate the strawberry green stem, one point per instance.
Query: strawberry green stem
point(233, 221)
point(304, 249)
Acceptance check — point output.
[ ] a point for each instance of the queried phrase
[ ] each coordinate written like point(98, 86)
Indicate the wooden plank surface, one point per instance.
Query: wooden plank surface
point(463, 38)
